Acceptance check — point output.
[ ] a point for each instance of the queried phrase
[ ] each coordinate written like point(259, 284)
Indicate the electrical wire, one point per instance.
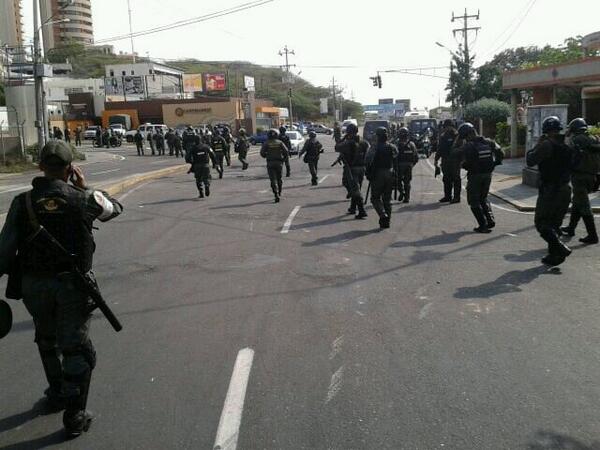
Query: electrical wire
point(182, 23)
point(531, 5)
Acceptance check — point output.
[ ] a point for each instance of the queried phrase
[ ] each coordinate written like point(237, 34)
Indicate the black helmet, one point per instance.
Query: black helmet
point(351, 129)
point(312, 134)
point(551, 123)
point(448, 123)
point(381, 132)
point(282, 130)
point(465, 129)
point(216, 131)
point(578, 125)
point(403, 132)
point(242, 132)
point(272, 133)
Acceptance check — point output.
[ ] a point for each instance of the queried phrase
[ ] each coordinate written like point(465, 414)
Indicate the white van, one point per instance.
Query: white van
point(145, 128)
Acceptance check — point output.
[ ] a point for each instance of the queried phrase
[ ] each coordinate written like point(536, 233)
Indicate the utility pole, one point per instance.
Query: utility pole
point(465, 32)
point(131, 32)
point(335, 115)
point(286, 51)
point(38, 80)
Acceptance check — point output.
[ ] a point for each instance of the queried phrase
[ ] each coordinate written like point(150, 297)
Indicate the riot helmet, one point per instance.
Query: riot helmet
point(551, 123)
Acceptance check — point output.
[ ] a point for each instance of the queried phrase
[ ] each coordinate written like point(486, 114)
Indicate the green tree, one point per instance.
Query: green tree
point(461, 81)
point(489, 110)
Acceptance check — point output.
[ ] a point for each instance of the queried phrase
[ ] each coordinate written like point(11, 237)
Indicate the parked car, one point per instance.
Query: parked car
point(258, 138)
point(118, 129)
point(90, 132)
point(319, 128)
point(296, 140)
point(144, 129)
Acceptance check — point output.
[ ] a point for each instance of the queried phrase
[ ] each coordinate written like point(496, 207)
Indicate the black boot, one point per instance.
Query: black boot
point(557, 250)
point(481, 221)
point(54, 374)
point(200, 194)
point(573, 221)
point(76, 419)
point(406, 195)
point(489, 215)
point(207, 189)
point(590, 226)
point(361, 209)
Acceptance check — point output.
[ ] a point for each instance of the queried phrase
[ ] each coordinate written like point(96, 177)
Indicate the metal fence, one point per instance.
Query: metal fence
point(11, 142)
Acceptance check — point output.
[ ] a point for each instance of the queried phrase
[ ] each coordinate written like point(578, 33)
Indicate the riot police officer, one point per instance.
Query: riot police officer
point(60, 309)
point(177, 144)
point(407, 159)
point(583, 179)
point(226, 134)
point(312, 149)
point(188, 139)
point(554, 159)
point(159, 137)
point(337, 133)
point(201, 155)
point(169, 135)
point(219, 146)
point(150, 139)
point(450, 163)
point(283, 137)
point(276, 154)
point(139, 142)
point(241, 148)
point(481, 156)
point(380, 163)
point(353, 150)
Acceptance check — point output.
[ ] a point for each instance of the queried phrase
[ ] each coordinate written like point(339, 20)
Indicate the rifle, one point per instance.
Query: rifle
point(82, 280)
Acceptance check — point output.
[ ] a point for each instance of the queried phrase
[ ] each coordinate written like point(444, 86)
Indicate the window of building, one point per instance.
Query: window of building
point(123, 73)
point(132, 72)
point(112, 73)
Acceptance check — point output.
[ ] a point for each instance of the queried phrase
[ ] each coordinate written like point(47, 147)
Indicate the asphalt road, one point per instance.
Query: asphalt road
point(422, 336)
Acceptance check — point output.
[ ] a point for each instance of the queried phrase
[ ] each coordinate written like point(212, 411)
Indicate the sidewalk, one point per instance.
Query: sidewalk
point(507, 186)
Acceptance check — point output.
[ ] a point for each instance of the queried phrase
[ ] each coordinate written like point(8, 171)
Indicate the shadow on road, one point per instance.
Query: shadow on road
point(533, 255)
point(17, 420)
point(505, 284)
point(349, 235)
point(320, 223)
point(244, 205)
point(421, 207)
point(440, 239)
point(548, 440)
point(327, 203)
point(166, 202)
point(42, 442)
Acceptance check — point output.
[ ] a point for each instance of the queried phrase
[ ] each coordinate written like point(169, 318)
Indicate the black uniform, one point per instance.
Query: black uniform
point(288, 145)
point(450, 165)
point(228, 141)
point(78, 136)
point(353, 150)
point(188, 139)
point(276, 154)
point(150, 139)
point(159, 137)
point(139, 143)
point(219, 146)
point(408, 156)
point(311, 150)
point(337, 134)
point(169, 135)
point(201, 156)
point(380, 163)
point(178, 144)
point(241, 148)
point(481, 156)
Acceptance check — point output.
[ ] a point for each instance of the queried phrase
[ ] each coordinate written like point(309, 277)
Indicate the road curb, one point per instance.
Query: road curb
point(527, 208)
point(116, 187)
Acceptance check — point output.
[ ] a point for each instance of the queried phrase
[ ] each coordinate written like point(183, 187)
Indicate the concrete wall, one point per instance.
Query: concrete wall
point(199, 113)
point(23, 99)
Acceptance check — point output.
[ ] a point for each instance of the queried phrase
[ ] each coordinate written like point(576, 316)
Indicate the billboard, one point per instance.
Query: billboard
point(387, 111)
point(386, 101)
point(215, 82)
point(127, 85)
point(192, 82)
point(249, 83)
point(324, 109)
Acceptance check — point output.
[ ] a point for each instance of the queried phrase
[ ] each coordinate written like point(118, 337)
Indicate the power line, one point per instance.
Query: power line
point(182, 23)
point(517, 27)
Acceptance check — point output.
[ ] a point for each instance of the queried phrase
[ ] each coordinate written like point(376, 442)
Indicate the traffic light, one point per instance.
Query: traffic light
point(376, 80)
point(379, 81)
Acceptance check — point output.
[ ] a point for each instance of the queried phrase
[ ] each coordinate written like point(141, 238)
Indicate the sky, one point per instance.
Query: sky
point(367, 35)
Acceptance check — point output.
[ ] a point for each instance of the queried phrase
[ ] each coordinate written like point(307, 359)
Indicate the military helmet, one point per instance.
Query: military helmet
point(465, 129)
point(242, 132)
point(312, 134)
point(403, 132)
point(551, 123)
point(272, 133)
point(381, 132)
point(351, 129)
point(578, 125)
point(282, 130)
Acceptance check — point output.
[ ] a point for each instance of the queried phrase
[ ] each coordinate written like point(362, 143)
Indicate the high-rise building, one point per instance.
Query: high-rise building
point(79, 28)
point(11, 23)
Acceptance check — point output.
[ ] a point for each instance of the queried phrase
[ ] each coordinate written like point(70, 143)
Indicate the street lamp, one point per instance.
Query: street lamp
point(439, 44)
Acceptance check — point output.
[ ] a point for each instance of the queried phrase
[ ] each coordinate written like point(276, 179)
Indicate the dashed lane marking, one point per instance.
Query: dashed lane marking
point(289, 220)
point(323, 179)
point(231, 416)
point(131, 191)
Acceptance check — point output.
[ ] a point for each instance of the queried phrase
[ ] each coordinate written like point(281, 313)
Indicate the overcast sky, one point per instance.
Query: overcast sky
point(370, 35)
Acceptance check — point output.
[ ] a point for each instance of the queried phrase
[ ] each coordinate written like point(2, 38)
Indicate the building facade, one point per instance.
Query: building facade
point(11, 23)
point(80, 27)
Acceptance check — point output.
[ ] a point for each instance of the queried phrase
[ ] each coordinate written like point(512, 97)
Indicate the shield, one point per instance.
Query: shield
point(5, 319)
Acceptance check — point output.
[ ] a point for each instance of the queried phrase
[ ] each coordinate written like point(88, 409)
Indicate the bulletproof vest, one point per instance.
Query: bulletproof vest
point(446, 143)
point(406, 152)
point(274, 151)
point(482, 156)
point(557, 168)
point(286, 140)
point(218, 145)
point(188, 139)
point(312, 149)
point(61, 209)
point(200, 155)
point(384, 157)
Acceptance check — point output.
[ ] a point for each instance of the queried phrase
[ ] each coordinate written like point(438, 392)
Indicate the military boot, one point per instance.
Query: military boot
point(481, 221)
point(207, 190)
point(361, 209)
point(573, 221)
point(489, 215)
point(406, 195)
point(76, 419)
point(557, 250)
point(590, 226)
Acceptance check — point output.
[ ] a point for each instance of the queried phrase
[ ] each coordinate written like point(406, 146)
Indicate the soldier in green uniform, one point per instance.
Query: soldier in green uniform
point(226, 134)
point(481, 156)
point(312, 149)
point(241, 148)
point(59, 309)
point(201, 155)
point(407, 159)
point(337, 133)
point(219, 146)
point(380, 163)
point(554, 159)
point(583, 178)
point(276, 154)
point(446, 151)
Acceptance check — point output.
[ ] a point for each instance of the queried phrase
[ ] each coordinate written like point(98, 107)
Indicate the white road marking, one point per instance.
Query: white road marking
point(163, 161)
point(425, 310)
point(119, 157)
point(231, 417)
point(336, 346)
point(323, 179)
point(290, 219)
point(252, 225)
point(131, 191)
point(335, 385)
point(511, 234)
point(104, 171)
point(15, 188)
point(263, 192)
